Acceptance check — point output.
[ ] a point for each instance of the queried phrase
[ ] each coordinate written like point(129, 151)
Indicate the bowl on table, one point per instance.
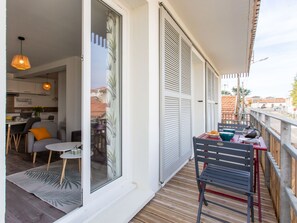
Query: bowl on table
point(229, 130)
point(226, 136)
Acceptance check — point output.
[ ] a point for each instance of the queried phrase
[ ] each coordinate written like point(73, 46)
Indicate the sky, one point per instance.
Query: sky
point(276, 38)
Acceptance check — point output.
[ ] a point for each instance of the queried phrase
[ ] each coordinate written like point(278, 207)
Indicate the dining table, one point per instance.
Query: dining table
point(9, 126)
point(258, 145)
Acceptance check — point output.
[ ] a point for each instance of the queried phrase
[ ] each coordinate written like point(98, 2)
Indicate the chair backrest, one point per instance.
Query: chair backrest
point(51, 117)
point(51, 127)
point(237, 156)
point(29, 124)
point(76, 136)
point(238, 127)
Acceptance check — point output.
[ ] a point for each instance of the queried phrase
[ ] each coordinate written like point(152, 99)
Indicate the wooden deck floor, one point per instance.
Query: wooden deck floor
point(177, 202)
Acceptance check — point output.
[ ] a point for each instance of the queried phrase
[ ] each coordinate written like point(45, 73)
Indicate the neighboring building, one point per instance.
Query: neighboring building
point(228, 107)
point(272, 103)
point(164, 61)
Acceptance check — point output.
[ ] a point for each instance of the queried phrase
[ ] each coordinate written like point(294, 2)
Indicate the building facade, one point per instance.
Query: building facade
point(164, 64)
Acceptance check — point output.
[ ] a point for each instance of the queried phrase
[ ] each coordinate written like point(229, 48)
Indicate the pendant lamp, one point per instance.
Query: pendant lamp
point(46, 85)
point(20, 61)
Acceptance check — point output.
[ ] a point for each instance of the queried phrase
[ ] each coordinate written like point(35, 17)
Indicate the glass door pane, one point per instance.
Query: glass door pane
point(105, 95)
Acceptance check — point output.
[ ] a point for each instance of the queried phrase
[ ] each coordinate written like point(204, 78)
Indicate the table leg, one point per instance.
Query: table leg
point(255, 174)
point(258, 186)
point(63, 170)
point(79, 164)
point(49, 159)
point(8, 138)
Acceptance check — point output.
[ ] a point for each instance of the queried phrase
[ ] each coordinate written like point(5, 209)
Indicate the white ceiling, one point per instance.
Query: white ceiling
point(52, 29)
point(222, 29)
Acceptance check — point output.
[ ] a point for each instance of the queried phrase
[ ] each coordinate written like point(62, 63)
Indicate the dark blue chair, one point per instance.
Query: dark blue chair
point(226, 165)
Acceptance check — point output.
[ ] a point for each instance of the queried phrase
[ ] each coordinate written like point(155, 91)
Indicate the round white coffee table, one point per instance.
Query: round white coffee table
point(73, 154)
point(60, 147)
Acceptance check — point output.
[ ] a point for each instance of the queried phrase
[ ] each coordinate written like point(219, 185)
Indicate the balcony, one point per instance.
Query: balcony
point(177, 201)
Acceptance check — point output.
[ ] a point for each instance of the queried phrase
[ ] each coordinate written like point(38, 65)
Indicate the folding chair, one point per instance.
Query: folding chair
point(238, 127)
point(226, 165)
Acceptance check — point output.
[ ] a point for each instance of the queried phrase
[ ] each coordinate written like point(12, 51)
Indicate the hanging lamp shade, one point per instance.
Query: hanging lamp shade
point(46, 85)
point(20, 61)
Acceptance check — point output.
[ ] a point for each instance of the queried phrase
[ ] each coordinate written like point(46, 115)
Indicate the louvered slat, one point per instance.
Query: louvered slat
point(171, 131)
point(185, 68)
point(171, 58)
point(186, 134)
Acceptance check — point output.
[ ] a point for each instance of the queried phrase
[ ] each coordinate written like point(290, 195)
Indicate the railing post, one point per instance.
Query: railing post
point(267, 142)
point(285, 181)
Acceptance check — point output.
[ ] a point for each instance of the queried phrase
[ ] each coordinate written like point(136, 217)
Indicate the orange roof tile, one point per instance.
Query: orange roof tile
point(98, 108)
point(228, 103)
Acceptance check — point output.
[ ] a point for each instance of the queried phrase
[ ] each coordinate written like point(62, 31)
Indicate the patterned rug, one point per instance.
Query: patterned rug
point(46, 184)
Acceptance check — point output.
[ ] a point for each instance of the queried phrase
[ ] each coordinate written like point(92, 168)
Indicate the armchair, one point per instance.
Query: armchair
point(35, 146)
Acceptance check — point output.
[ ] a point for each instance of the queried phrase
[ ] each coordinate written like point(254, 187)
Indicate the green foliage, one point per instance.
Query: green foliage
point(293, 93)
point(223, 92)
point(245, 91)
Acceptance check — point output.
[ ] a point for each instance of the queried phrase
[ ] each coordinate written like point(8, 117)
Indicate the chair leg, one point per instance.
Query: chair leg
point(26, 141)
point(34, 157)
point(252, 208)
point(200, 203)
point(18, 141)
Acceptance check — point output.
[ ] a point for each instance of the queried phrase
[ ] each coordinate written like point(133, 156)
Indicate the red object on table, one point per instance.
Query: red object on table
point(257, 147)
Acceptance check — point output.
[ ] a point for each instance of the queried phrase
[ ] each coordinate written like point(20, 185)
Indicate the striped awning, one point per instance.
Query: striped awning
point(235, 75)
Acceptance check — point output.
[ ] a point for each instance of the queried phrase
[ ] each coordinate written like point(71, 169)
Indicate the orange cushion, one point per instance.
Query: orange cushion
point(40, 133)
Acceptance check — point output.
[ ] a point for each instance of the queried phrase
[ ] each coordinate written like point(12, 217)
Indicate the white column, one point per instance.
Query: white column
point(2, 108)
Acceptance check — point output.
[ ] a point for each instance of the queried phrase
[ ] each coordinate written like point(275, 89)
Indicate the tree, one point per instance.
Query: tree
point(245, 91)
point(293, 93)
point(223, 92)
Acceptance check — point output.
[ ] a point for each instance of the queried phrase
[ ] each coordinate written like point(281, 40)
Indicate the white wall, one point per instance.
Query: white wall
point(198, 91)
point(72, 65)
point(73, 96)
point(139, 95)
point(62, 98)
point(2, 108)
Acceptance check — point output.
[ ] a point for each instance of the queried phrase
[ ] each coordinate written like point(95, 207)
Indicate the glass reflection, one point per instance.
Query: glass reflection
point(105, 95)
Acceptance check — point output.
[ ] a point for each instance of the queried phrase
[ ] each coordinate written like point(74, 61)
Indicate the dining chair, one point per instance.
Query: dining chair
point(15, 135)
point(28, 126)
point(225, 165)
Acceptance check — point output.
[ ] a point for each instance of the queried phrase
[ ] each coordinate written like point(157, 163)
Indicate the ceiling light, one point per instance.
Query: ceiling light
point(20, 61)
point(46, 85)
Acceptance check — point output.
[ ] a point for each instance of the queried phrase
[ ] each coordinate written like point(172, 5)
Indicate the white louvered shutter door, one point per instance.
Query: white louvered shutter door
point(186, 122)
point(175, 110)
point(212, 99)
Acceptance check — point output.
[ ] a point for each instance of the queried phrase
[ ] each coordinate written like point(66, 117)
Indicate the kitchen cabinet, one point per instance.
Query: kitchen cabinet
point(12, 86)
point(26, 87)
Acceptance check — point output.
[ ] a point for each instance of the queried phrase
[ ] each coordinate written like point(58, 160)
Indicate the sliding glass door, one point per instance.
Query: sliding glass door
point(105, 95)
point(101, 108)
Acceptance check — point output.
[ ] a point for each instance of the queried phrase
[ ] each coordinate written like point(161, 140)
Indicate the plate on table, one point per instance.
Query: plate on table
point(249, 140)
